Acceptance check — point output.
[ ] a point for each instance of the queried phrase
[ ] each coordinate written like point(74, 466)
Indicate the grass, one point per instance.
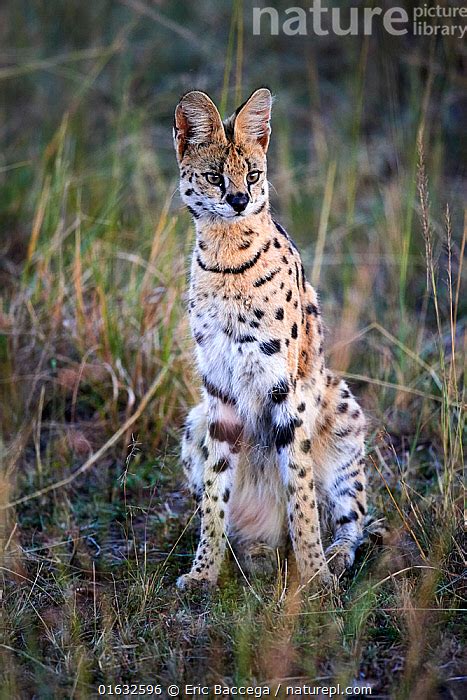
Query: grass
point(96, 370)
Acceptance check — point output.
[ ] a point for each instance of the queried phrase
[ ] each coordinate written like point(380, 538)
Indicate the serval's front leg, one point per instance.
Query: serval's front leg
point(221, 447)
point(293, 444)
point(193, 451)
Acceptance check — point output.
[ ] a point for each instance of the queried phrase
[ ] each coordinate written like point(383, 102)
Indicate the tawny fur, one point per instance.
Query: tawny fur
point(276, 433)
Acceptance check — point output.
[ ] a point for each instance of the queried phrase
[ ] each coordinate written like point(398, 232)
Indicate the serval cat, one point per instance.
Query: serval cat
point(276, 433)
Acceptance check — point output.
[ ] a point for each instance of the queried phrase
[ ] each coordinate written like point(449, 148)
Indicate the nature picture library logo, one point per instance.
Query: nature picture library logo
point(319, 20)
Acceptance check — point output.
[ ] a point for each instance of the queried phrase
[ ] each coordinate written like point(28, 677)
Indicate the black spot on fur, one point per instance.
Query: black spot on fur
point(344, 432)
point(294, 331)
point(193, 213)
point(288, 296)
point(246, 339)
point(301, 407)
point(221, 466)
point(305, 446)
point(279, 314)
point(258, 313)
point(312, 309)
point(285, 434)
point(267, 277)
point(233, 270)
point(270, 347)
point(217, 393)
point(346, 519)
point(280, 391)
point(342, 407)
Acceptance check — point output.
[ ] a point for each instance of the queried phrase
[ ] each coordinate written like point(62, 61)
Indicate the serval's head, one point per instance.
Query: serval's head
point(223, 164)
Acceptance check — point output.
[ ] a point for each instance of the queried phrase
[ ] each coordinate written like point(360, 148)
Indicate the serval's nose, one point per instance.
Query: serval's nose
point(238, 201)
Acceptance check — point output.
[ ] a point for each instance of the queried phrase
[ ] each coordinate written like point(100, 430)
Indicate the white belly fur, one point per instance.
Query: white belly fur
point(257, 505)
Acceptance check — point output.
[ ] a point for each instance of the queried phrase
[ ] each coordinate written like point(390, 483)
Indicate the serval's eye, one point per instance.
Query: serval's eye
point(253, 176)
point(213, 178)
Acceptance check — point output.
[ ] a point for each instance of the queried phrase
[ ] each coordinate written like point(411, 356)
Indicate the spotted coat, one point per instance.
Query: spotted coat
point(276, 434)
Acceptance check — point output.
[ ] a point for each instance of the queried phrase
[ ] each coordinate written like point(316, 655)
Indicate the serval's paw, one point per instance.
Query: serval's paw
point(340, 556)
point(258, 559)
point(190, 583)
point(375, 530)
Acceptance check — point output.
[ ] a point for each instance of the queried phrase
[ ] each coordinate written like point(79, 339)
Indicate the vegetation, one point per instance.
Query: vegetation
point(96, 359)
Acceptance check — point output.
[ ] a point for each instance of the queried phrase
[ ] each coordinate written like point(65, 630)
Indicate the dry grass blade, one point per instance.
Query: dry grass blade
point(323, 223)
point(38, 219)
point(48, 63)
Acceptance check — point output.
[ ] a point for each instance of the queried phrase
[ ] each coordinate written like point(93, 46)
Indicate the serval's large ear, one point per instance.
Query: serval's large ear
point(252, 121)
point(196, 121)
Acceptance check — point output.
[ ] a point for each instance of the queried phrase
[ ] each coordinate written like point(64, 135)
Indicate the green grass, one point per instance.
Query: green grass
point(94, 339)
